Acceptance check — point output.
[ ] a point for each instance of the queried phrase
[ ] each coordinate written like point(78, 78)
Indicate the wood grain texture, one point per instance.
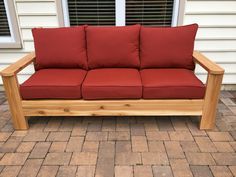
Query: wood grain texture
point(207, 64)
point(113, 107)
point(210, 101)
point(14, 101)
point(19, 65)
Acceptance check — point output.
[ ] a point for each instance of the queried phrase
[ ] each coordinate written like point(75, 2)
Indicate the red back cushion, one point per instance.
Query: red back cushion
point(113, 46)
point(170, 47)
point(60, 47)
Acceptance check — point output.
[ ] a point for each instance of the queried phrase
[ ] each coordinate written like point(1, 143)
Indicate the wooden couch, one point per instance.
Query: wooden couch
point(22, 109)
point(205, 107)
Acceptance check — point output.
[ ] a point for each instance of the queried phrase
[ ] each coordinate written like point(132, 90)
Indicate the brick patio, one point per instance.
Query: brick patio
point(120, 146)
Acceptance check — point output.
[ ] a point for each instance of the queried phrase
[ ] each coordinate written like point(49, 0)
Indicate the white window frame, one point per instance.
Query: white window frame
point(14, 40)
point(120, 13)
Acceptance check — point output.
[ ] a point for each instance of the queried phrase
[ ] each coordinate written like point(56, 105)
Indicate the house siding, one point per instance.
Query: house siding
point(30, 14)
point(216, 37)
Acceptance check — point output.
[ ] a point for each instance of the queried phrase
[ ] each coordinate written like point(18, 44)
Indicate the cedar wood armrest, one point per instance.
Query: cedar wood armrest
point(16, 67)
point(213, 86)
point(208, 65)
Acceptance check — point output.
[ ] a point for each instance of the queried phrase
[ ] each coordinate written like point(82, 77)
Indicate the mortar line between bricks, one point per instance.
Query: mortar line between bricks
point(96, 165)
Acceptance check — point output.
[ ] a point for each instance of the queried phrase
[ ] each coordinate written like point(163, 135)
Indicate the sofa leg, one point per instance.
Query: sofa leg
point(210, 101)
point(14, 100)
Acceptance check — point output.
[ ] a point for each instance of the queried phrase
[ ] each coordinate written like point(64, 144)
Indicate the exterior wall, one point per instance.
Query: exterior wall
point(216, 37)
point(30, 14)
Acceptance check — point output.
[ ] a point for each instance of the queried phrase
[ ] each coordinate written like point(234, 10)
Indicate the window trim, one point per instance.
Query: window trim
point(177, 19)
point(13, 41)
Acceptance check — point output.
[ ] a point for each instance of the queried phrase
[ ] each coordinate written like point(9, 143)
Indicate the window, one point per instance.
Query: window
point(9, 33)
point(121, 12)
point(91, 12)
point(149, 12)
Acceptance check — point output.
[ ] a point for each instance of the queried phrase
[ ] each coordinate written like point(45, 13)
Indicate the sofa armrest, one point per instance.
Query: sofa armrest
point(208, 65)
point(18, 65)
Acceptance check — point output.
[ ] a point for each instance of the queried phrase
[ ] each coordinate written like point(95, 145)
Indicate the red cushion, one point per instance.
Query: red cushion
point(171, 83)
point(110, 47)
point(60, 47)
point(112, 84)
point(170, 47)
point(53, 83)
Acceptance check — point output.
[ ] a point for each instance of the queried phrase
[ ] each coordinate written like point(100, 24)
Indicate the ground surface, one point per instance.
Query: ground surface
point(120, 147)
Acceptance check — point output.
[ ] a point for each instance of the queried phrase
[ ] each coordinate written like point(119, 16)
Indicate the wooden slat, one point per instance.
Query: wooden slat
point(113, 107)
point(207, 64)
point(19, 65)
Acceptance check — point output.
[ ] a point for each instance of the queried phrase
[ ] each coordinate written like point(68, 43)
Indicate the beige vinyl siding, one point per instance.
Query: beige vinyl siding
point(30, 14)
point(216, 37)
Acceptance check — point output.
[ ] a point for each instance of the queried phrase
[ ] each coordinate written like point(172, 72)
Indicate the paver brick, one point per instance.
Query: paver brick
point(123, 171)
point(223, 147)
point(85, 171)
point(128, 158)
point(40, 150)
point(181, 136)
point(162, 171)
point(48, 171)
point(205, 144)
point(31, 168)
point(25, 147)
point(180, 168)
point(96, 136)
point(84, 158)
point(118, 136)
point(139, 144)
point(156, 146)
point(36, 136)
point(54, 158)
point(196, 158)
point(157, 136)
point(67, 171)
point(220, 136)
point(75, 144)
point(14, 159)
point(90, 146)
point(221, 171)
point(154, 158)
point(10, 171)
point(141, 171)
point(58, 147)
point(123, 146)
point(201, 171)
point(58, 136)
point(174, 149)
point(225, 158)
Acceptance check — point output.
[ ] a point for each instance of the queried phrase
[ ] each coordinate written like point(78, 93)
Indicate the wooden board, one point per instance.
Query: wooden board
point(112, 107)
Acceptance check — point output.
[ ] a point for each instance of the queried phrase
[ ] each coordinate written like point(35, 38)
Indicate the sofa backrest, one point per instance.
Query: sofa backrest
point(113, 47)
point(90, 47)
point(168, 47)
point(60, 47)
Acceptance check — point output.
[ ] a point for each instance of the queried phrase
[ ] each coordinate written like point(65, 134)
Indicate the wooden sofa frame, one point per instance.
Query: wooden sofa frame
point(22, 109)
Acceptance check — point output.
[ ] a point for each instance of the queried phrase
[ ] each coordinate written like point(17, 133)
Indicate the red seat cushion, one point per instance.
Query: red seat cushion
point(170, 47)
point(113, 83)
point(54, 83)
point(110, 47)
point(171, 83)
point(60, 47)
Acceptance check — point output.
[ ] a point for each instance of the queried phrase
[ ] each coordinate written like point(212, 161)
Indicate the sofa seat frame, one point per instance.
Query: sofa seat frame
point(21, 109)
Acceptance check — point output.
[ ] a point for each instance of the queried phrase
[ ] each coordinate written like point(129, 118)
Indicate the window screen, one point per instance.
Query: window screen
point(4, 26)
point(91, 12)
point(149, 12)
